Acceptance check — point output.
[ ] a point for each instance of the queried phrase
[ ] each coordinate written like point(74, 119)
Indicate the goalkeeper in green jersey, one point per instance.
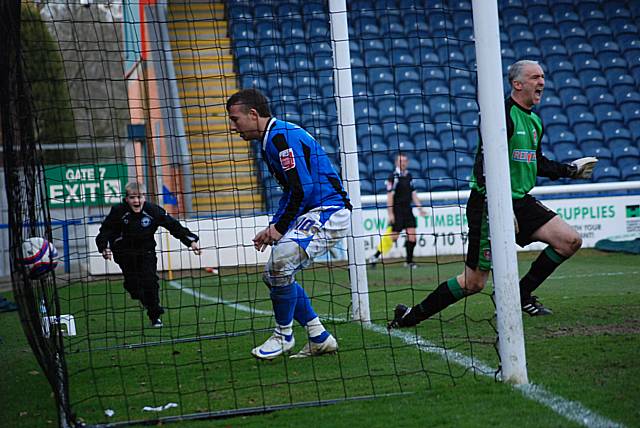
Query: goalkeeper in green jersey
point(534, 221)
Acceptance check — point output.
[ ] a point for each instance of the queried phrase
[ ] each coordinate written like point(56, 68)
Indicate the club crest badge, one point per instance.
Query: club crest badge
point(287, 159)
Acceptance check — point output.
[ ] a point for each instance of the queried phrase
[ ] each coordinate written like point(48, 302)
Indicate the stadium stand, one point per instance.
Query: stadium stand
point(589, 50)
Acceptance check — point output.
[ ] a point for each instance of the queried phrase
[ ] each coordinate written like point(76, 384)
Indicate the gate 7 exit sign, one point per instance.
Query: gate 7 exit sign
point(83, 185)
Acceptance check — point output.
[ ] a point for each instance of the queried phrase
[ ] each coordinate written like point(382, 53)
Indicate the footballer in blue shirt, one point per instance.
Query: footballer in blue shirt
point(313, 215)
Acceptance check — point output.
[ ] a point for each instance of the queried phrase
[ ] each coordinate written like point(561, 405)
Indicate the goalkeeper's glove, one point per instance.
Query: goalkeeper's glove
point(583, 167)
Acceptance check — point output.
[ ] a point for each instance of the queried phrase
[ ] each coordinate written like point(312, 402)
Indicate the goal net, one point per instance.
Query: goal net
point(113, 92)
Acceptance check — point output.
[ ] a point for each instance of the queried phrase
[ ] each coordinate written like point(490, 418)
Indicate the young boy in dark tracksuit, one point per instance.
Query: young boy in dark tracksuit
point(127, 234)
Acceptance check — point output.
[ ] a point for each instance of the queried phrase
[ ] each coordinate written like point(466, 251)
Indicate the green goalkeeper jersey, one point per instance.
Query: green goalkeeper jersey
point(526, 162)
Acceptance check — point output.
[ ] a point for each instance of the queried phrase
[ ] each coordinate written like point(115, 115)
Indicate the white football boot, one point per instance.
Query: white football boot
point(312, 349)
point(275, 346)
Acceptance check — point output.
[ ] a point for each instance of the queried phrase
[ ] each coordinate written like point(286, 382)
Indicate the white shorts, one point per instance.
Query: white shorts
point(314, 233)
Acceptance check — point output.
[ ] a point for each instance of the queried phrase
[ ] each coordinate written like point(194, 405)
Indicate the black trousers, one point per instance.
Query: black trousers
point(141, 279)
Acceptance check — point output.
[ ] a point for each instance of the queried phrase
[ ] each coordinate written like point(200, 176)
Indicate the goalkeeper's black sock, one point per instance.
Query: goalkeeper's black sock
point(446, 294)
point(540, 270)
point(409, 245)
point(377, 254)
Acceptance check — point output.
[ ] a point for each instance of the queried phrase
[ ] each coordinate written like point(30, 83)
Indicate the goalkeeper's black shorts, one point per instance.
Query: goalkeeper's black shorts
point(530, 213)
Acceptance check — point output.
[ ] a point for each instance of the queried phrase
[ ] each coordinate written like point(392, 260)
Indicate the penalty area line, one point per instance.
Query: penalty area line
point(571, 410)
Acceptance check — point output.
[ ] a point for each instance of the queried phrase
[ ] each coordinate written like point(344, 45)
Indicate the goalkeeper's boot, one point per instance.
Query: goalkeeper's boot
point(373, 260)
point(275, 346)
point(312, 349)
point(398, 317)
point(533, 307)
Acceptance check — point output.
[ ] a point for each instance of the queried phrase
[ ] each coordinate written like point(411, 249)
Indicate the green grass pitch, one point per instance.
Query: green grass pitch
point(585, 353)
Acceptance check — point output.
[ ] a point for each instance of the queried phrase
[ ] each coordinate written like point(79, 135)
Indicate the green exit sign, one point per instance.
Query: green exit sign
point(82, 185)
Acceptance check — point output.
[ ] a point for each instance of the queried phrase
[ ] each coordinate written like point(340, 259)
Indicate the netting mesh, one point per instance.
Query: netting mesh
point(137, 91)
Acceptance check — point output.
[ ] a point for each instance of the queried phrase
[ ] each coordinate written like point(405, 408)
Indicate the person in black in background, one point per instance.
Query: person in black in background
point(400, 195)
point(127, 234)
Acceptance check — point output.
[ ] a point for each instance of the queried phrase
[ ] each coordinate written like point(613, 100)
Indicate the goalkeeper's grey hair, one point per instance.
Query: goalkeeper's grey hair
point(515, 70)
point(135, 187)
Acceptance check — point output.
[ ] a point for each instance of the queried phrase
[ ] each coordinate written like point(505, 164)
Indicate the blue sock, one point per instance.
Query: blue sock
point(284, 303)
point(303, 311)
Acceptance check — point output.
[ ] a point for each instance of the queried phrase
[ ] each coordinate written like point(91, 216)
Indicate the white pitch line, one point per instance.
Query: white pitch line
point(592, 275)
point(571, 410)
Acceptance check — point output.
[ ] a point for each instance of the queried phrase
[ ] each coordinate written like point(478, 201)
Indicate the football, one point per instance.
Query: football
point(38, 256)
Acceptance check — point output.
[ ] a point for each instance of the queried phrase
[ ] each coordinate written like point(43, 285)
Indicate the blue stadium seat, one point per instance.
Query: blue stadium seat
point(426, 58)
point(396, 43)
point(267, 32)
point(460, 88)
point(415, 109)
point(430, 74)
point(459, 160)
point(612, 61)
point(426, 143)
point(463, 176)
point(380, 74)
point(402, 57)
point(408, 87)
point(288, 10)
point(602, 153)
point(591, 16)
point(542, 33)
point(630, 112)
point(606, 46)
point(591, 136)
point(583, 117)
point(625, 156)
point(263, 10)
point(313, 9)
point(631, 173)
point(569, 87)
point(624, 28)
point(374, 44)
point(376, 58)
point(364, 111)
point(599, 33)
point(420, 129)
point(435, 87)
point(420, 185)
point(391, 29)
point(442, 184)
point(416, 27)
point(407, 74)
point(240, 12)
point(573, 99)
point(632, 97)
point(621, 84)
point(317, 30)
point(435, 166)
point(249, 81)
point(572, 33)
point(395, 130)
point(558, 135)
point(292, 31)
point(367, 130)
point(366, 186)
point(273, 65)
point(558, 65)
point(598, 96)
point(243, 35)
point(249, 66)
point(580, 50)
point(321, 63)
point(634, 127)
point(566, 155)
point(606, 174)
point(617, 136)
point(565, 15)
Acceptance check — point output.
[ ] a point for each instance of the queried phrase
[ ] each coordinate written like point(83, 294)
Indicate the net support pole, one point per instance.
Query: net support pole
point(349, 157)
point(496, 165)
